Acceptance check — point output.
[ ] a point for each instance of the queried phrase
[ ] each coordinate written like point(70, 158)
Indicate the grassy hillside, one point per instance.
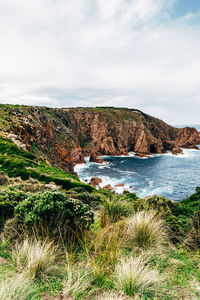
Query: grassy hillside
point(62, 239)
point(71, 241)
point(18, 163)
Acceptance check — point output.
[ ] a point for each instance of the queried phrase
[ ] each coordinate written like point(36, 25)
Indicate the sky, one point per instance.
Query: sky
point(142, 54)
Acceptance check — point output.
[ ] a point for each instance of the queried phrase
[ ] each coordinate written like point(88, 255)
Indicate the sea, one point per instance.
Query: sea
point(172, 176)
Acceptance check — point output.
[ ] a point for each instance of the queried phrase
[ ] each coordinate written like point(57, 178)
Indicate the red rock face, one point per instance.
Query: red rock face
point(65, 136)
point(110, 135)
point(188, 138)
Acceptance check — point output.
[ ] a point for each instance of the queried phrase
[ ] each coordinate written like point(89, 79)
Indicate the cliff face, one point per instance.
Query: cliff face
point(118, 131)
point(65, 136)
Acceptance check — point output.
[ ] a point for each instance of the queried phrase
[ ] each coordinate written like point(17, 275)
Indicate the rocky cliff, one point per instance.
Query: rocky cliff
point(65, 136)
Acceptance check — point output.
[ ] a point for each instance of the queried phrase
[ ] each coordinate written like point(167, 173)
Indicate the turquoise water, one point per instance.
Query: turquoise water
point(174, 177)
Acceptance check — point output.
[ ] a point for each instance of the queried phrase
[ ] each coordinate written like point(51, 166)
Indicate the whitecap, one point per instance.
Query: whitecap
point(126, 172)
point(80, 167)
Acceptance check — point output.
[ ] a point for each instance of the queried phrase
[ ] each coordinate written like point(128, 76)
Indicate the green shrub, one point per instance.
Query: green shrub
point(189, 205)
point(192, 240)
point(92, 199)
point(53, 213)
point(9, 198)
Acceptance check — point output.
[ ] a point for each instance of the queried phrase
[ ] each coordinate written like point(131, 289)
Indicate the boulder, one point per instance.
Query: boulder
point(95, 181)
point(95, 158)
point(108, 187)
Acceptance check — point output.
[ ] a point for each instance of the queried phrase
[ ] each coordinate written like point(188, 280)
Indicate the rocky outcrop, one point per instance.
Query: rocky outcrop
point(188, 138)
point(95, 181)
point(108, 187)
point(65, 137)
point(95, 158)
point(118, 131)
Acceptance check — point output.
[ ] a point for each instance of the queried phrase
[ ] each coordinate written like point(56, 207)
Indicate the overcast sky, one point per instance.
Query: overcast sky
point(142, 54)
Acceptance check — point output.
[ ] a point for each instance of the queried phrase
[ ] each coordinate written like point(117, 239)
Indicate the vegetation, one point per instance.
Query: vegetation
point(18, 163)
point(145, 230)
point(34, 258)
point(62, 238)
point(53, 214)
point(134, 277)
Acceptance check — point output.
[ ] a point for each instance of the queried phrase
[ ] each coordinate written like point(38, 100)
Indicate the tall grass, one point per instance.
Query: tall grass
point(134, 277)
point(113, 208)
point(103, 249)
point(17, 288)
point(78, 281)
point(34, 258)
point(145, 230)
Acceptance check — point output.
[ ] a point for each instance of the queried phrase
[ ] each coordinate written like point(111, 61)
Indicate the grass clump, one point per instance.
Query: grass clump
point(114, 208)
point(17, 288)
point(134, 277)
point(145, 230)
point(103, 250)
point(34, 258)
point(78, 281)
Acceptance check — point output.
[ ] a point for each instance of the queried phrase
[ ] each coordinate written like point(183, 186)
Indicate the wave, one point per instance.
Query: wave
point(79, 167)
point(167, 189)
point(125, 172)
point(188, 153)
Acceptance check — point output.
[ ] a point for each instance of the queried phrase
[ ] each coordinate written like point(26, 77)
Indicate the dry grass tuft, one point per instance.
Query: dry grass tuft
point(17, 287)
point(78, 281)
point(34, 258)
point(145, 230)
point(134, 277)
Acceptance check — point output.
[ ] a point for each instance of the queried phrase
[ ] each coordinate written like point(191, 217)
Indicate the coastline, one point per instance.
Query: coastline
point(132, 187)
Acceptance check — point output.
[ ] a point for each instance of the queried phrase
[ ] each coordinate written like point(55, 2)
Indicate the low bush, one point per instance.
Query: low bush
point(192, 240)
point(53, 214)
point(189, 205)
point(9, 198)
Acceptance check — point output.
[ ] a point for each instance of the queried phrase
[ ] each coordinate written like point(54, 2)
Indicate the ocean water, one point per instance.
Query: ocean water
point(174, 177)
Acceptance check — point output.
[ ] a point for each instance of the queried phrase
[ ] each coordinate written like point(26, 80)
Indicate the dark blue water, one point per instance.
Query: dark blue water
point(174, 177)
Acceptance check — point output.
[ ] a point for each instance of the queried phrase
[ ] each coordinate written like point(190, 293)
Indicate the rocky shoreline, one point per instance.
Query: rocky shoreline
point(64, 137)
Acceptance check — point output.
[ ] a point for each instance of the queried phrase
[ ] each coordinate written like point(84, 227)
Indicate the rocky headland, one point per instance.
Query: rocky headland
point(65, 136)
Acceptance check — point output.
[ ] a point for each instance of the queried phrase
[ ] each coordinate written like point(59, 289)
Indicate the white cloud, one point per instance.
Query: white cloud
point(101, 52)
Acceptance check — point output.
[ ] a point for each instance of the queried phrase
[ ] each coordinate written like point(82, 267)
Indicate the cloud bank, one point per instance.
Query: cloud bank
point(132, 53)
